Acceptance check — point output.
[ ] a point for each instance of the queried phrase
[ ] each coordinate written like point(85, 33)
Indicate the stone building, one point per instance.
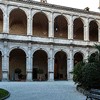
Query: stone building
point(40, 37)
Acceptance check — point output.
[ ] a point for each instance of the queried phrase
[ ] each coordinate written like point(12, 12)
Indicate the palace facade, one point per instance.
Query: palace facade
point(41, 41)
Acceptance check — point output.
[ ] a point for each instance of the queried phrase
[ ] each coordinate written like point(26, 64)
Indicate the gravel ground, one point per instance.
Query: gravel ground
point(57, 90)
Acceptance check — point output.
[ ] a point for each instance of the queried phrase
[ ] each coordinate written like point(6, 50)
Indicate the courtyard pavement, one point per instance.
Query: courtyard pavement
point(57, 90)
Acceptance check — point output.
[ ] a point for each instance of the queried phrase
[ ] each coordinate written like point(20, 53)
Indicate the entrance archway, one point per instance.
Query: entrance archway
point(40, 65)
point(60, 66)
point(17, 65)
point(78, 57)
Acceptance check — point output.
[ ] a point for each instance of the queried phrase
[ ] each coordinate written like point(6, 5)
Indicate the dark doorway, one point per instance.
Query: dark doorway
point(78, 57)
point(40, 65)
point(35, 73)
point(60, 66)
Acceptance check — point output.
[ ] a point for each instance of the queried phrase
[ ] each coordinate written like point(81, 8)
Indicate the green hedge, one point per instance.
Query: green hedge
point(4, 94)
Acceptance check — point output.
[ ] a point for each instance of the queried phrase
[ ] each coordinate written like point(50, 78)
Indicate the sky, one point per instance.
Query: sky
point(81, 4)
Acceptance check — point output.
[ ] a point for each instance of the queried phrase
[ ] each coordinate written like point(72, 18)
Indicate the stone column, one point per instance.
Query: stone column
point(29, 63)
point(86, 30)
point(70, 64)
point(51, 25)
point(5, 63)
point(98, 33)
point(29, 23)
point(70, 28)
point(6, 21)
point(86, 54)
point(51, 66)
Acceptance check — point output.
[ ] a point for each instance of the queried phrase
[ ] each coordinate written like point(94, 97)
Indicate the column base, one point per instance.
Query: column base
point(29, 76)
point(51, 76)
point(70, 76)
point(4, 75)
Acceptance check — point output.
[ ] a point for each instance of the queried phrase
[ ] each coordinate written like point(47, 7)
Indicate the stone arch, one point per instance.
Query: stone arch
point(93, 30)
point(44, 49)
point(18, 25)
point(60, 66)
point(40, 65)
point(40, 24)
point(1, 20)
point(18, 47)
point(17, 61)
point(78, 29)
point(60, 27)
point(78, 56)
point(92, 52)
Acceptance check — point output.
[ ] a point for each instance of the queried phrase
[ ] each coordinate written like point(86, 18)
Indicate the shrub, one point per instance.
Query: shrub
point(77, 72)
point(91, 75)
point(88, 74)
point(3, 94)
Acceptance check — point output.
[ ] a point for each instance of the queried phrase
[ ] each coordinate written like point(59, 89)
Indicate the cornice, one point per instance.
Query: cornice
point(55, 6)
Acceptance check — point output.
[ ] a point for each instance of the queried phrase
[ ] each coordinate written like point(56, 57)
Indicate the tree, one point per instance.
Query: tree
point(77, 77)
point(87, 74)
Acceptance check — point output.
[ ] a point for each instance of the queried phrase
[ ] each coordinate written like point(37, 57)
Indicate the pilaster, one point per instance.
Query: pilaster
point(51, 25)
point(29, 22)
point(6, 21)
point(5, 63)
point(86, 30)
point(29, 63)
point(51, 66)
point(98, 33)
point(70, 64)
point(70, 28)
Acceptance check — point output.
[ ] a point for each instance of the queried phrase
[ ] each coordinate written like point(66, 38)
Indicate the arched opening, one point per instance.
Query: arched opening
point(93, 31)
point(40, 25)
point(60, 66)
point(17, 65)
point(40, 65)
point(60, 27)
point(0, 66)
point(92, 57)
point(78, 29)
point(78, 57)
point(18, 22)
point(1, 21)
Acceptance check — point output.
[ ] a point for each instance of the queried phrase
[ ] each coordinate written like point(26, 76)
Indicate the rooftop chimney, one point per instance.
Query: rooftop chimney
point(43, 1)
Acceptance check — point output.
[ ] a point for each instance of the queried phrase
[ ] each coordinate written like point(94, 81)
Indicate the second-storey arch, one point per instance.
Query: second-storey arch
point(40, 25)
point(60, 66)
point(1, 21)
point(78, 29)
point(93, 31)
point(18, 22)
point(60, 27)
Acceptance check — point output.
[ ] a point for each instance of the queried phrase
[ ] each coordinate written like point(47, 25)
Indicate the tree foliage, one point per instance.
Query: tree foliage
point(87, 74)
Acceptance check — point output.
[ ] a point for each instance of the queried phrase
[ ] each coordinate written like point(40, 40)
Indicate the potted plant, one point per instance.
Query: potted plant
point(17, 73)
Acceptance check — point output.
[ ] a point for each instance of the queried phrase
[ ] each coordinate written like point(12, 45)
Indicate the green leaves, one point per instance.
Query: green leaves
point(87, 74)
